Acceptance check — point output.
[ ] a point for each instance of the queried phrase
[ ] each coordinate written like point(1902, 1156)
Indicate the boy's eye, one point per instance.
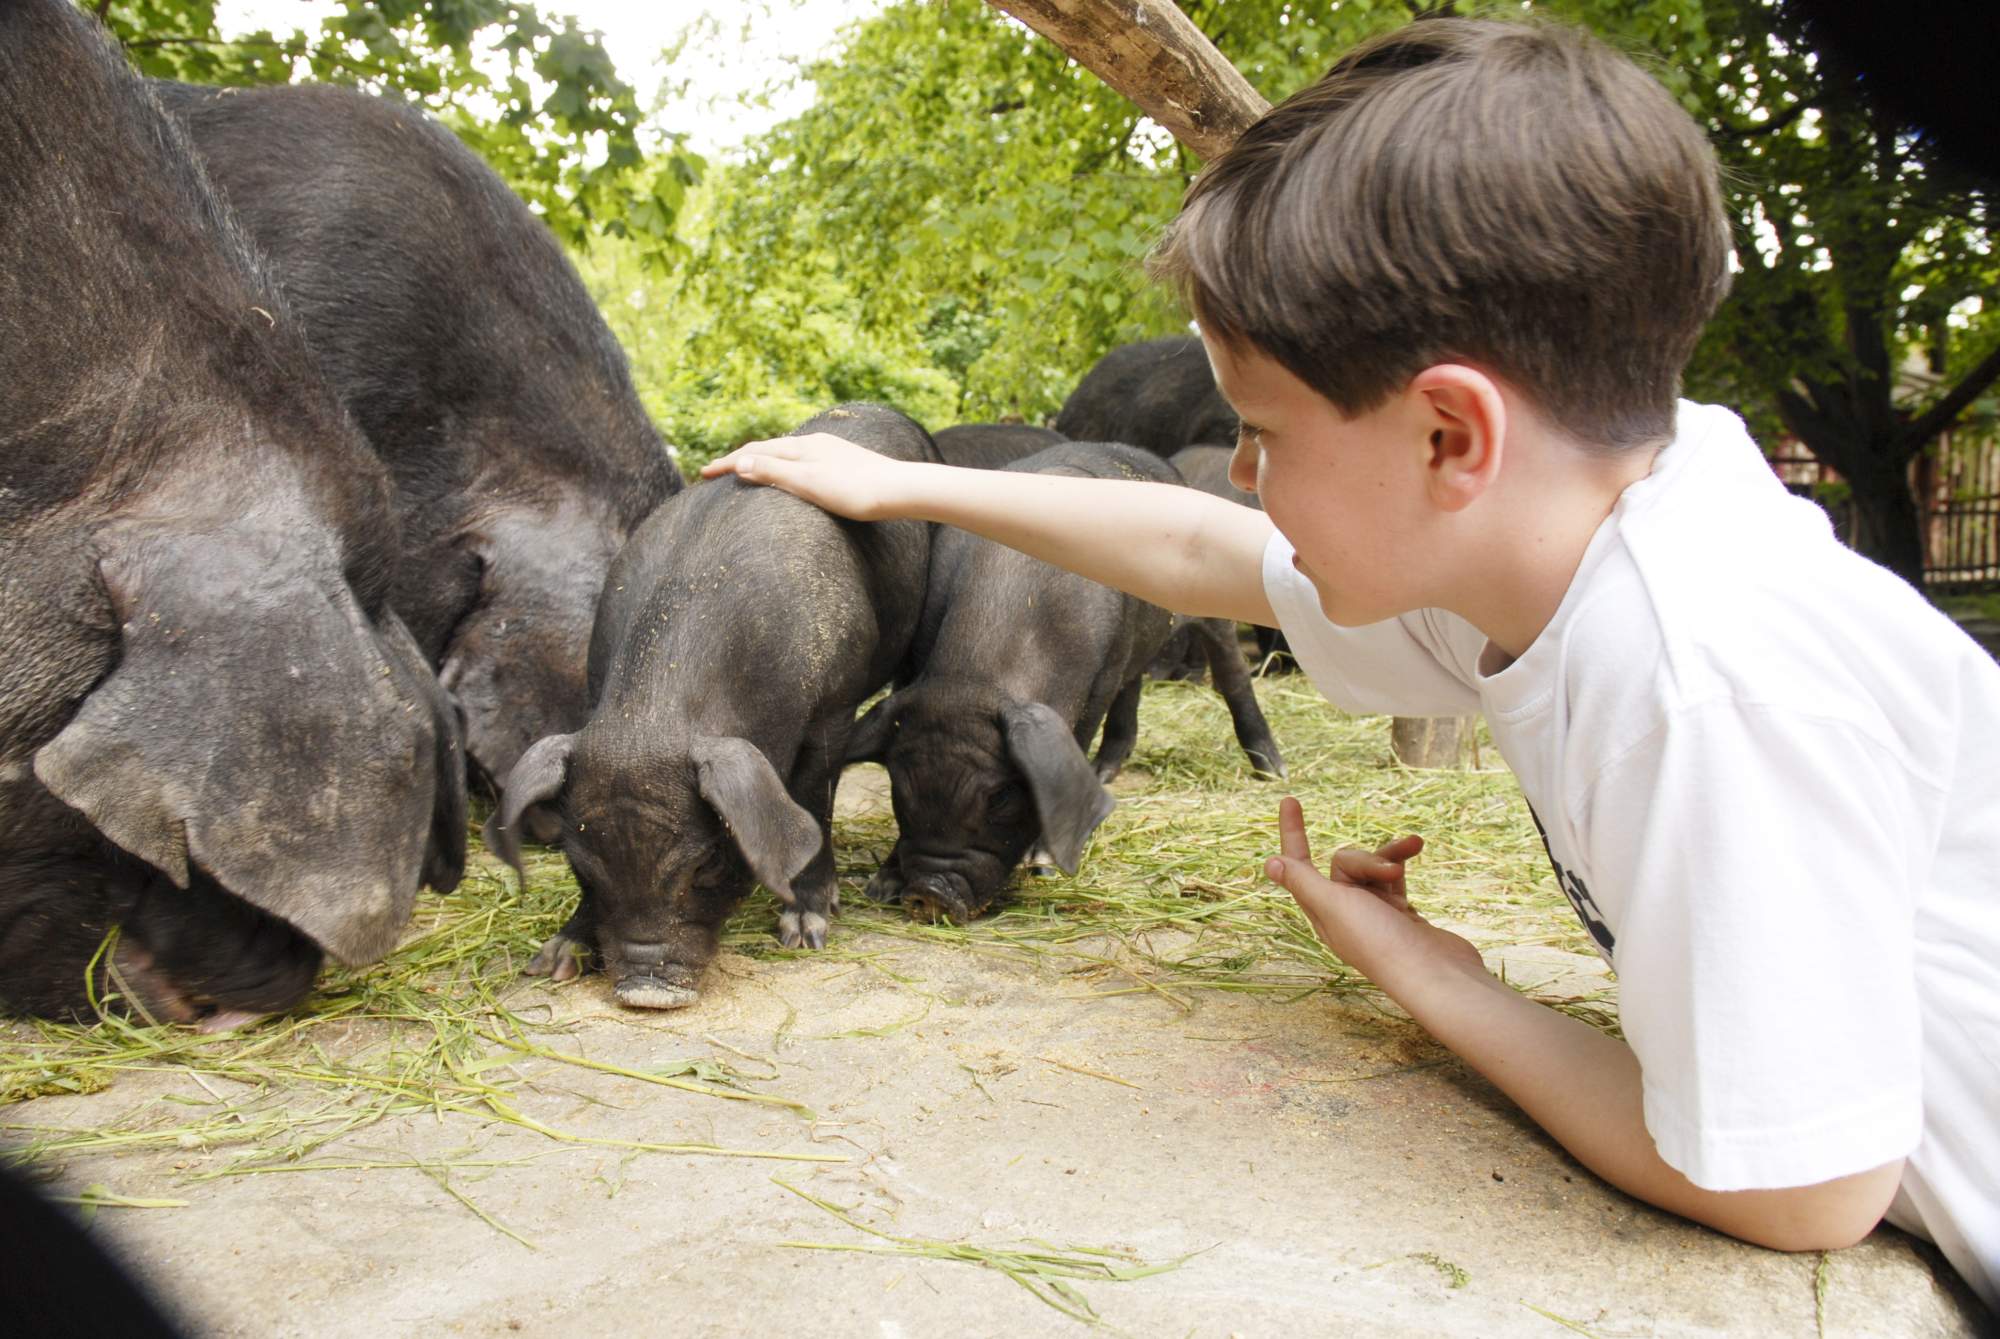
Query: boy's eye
point(1248, 432)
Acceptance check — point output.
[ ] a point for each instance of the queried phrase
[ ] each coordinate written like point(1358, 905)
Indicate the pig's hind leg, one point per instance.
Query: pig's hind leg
point(1232, 680)
point(1121, 731)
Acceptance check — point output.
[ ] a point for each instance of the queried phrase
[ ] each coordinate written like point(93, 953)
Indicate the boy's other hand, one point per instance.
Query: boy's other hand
point(1360, 907)
point(825, 470)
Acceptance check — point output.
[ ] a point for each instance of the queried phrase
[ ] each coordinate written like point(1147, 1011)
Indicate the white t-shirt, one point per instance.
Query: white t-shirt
point(1768, 775)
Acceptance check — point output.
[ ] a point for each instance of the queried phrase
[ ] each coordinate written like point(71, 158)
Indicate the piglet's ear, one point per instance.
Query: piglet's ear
point(1068, 797)
point(776, 836)
point(869, 741)
point(536, 781)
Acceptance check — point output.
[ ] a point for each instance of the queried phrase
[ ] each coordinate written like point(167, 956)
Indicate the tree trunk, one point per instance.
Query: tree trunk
point(1887, 524)
point(1429, 741)
point(1153, 54)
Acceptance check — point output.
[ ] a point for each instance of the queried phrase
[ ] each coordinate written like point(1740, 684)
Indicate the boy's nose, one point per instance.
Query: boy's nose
point(1243, 464)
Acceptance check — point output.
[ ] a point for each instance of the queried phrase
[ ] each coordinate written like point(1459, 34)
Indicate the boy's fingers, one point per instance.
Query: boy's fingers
point(1292, 830)
point(1366, 866)
point(1403, 848)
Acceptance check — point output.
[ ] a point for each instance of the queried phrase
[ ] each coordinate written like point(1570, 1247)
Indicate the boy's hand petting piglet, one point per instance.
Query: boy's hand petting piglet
point(1360, 908)
point(825, 470)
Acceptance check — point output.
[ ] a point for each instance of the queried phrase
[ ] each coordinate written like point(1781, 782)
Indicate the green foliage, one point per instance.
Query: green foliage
point(964, 201)
point(556, 120)
point(1859, 247)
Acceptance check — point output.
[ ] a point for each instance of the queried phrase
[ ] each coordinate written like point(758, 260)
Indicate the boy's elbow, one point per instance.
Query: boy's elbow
point(1815, 1234)
point(1830, 1216)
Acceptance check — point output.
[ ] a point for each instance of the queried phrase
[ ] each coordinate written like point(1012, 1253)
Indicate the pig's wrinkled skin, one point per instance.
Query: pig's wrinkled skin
point(456, 332)
point(1015, 665)
point(739, 631)
point(221, 754)
point(1159, 394)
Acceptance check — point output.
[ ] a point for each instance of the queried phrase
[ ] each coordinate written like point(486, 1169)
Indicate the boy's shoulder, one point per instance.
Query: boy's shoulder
point(1719, 589)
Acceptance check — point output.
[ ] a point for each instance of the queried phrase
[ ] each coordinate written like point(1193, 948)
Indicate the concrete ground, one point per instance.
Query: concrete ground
point(1312, 1167)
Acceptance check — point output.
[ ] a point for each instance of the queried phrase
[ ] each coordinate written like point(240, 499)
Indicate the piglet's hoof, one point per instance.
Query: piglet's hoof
point(229, 1020)
point(801, 929)
point(650, 992)
point(562, 959)
point(885, 885)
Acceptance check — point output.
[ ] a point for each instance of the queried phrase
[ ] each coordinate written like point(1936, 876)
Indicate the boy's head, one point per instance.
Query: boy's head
point(1516, 197)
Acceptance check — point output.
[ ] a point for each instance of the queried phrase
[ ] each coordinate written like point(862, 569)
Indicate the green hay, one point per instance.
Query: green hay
point(426, 1031)
point(1563, 1321)
point(1171, 900)
point(1170, 904)
point(1453, 1275)
point(1045, 1270)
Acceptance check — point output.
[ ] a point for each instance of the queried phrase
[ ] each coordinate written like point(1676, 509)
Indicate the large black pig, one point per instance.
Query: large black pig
point(739, 632)
point(216, 739)
point(990, 446)
point(1159, 394)
point(1015, 665)
point(455, 330)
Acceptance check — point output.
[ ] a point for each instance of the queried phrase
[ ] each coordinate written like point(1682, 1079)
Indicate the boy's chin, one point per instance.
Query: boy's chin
point(1347, 613)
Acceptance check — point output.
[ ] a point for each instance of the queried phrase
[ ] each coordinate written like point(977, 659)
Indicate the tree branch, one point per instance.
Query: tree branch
point(1153, 54)
point(1770, 127)
point(1945, 412)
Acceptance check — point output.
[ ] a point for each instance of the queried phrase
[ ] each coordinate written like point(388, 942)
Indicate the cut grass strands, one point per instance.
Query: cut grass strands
point(93, 1198)
point(1564, 1321)
point(1089, 1073)
point(1043, 1269)
point(433, 1030)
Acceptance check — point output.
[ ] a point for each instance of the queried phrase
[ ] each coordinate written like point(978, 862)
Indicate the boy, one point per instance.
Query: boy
point(1450, 289)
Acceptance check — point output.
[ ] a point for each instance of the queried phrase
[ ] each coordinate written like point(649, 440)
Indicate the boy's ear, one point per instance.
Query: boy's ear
point(1468, 430)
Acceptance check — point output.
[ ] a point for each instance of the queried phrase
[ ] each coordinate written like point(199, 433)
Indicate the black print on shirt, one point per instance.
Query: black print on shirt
point(1578, 894)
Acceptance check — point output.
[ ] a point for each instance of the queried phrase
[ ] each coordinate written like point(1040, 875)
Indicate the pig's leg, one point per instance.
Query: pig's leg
point(815, 891)
point(1232, 680)
point(886, 884)
point(570, 951)
point(1121, 731)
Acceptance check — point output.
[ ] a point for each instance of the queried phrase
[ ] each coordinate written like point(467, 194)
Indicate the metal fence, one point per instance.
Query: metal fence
point(1957, 487)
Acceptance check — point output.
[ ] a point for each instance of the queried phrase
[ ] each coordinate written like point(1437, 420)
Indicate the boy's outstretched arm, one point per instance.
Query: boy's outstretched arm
point(1576, 1083)
point(1176, 547)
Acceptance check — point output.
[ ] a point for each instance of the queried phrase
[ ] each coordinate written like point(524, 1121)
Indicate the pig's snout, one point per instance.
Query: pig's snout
point(645, 978)
point(943, 896)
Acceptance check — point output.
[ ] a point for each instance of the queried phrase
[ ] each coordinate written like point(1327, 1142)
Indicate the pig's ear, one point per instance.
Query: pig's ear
point(869, 740)
point(1068, 796)
point(255, 726)
point(776, 836)
point(536, 781)
point(444, 852)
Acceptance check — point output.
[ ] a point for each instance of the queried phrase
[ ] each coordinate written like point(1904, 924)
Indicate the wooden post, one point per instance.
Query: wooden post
point(1153, 54)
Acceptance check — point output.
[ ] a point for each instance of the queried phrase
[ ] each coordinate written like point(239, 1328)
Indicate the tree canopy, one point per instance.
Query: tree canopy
point(957, 224)
point(536, 95)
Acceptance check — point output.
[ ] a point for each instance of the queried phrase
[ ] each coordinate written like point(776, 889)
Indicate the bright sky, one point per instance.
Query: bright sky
point(736, 48)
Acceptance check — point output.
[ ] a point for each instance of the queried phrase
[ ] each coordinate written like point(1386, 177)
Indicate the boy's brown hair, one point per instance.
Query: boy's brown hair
point(1516, 196)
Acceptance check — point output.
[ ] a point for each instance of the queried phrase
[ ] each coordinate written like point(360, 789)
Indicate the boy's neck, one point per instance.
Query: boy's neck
point(1518, 569)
